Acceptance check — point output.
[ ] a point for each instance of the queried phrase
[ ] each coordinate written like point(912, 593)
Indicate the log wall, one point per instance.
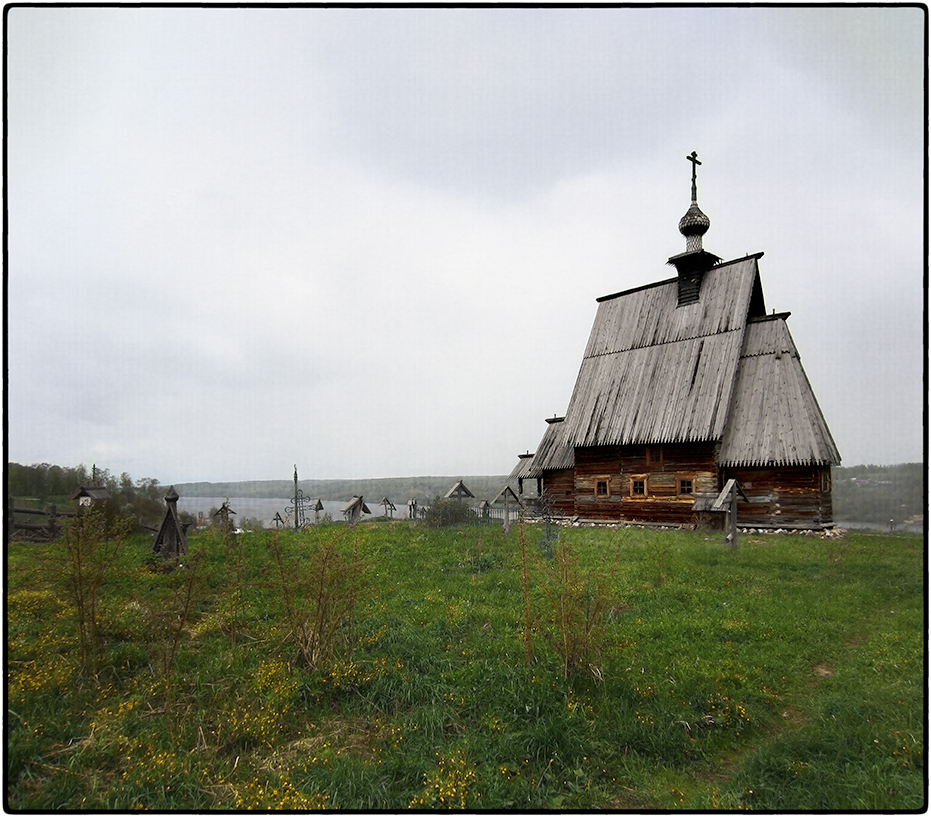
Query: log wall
point(594, 465)
point(661, 469)
point(559, 487)
point(787, 497)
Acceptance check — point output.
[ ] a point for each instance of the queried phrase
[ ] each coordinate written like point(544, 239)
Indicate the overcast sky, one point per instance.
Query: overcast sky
point(369, 241)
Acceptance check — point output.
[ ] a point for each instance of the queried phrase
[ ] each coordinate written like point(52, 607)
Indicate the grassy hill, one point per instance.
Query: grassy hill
point(784, 677)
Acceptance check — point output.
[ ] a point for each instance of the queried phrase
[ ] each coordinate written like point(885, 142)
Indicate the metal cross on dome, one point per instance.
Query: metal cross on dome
point(693, 158)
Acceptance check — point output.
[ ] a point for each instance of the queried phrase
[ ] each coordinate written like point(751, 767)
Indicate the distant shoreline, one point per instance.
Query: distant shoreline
point(397, 489)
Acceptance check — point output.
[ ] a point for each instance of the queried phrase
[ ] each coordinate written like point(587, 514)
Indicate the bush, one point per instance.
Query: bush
point(577, 605)
point(88, 552)
point(448, 513)
point(319, 596)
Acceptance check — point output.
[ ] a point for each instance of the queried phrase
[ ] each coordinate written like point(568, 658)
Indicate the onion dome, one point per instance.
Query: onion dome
point(695, 261)
point(693, 225)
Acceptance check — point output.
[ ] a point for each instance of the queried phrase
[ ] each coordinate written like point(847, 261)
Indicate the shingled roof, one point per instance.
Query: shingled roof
point(656, 370)
point(553, 454)
point(774, 417)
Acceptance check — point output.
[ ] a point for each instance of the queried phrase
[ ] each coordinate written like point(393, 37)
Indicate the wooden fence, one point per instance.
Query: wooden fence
point(34, 524)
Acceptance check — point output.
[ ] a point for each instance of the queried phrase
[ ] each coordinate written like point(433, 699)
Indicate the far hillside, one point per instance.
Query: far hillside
point(876, 494)
point(397, 489)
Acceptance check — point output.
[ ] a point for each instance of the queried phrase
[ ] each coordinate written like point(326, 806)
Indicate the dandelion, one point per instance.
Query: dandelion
point(448, 786)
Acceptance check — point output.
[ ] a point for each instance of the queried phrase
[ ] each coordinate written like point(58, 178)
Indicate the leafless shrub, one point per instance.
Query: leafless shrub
point(576, 612)
point(89, 549)
point(320, 596)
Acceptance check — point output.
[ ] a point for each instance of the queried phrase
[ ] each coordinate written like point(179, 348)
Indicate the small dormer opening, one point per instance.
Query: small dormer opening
point(689, 289)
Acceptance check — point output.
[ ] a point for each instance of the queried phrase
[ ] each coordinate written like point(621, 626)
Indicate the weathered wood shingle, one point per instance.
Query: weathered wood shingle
point(555, 453)
point(774, 418)
point(656, 372)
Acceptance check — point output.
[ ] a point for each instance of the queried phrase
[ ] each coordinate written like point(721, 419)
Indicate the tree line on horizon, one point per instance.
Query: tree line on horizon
point(143, 499)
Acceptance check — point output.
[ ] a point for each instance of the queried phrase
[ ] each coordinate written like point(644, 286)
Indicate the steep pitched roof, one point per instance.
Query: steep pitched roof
point(522, 469)
point(459, 491)
point(554, 453)
point(93, 492)
point(774, 418)
point(656, 372)
point(716, 369)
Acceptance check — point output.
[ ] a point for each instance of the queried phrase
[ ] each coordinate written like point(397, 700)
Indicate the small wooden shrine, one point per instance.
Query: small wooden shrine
point(354, 509)
point(459, 491)
point(171, 539)
point(87, 496)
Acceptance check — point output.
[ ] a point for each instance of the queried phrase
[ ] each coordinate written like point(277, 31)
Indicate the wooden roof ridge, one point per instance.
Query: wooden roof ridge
point(636, 289)
point(756, 255)
point(775, 316)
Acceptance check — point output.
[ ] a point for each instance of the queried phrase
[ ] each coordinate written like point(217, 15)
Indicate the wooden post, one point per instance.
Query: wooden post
point(52, 521)
point(732, 520)
point(506, 527)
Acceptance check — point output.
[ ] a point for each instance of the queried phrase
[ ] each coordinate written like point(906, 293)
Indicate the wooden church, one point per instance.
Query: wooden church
point(685, 384)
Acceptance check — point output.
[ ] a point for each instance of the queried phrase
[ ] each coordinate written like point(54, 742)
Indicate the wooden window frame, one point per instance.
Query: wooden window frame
point(646, 486)
point(683, 479)
point(657, 451)
point(607, 483)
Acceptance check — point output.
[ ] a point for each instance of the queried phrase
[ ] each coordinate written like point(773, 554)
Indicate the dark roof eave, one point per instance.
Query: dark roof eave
point(779, 463)
point(689, 254)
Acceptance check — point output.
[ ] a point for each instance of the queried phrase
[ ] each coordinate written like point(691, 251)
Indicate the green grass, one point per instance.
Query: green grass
point(786, 676)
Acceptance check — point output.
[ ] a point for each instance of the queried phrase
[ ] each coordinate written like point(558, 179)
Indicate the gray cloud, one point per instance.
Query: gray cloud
point(369, 240)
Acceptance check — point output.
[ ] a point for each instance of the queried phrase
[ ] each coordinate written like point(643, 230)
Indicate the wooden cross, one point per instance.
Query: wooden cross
point(693, 158)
